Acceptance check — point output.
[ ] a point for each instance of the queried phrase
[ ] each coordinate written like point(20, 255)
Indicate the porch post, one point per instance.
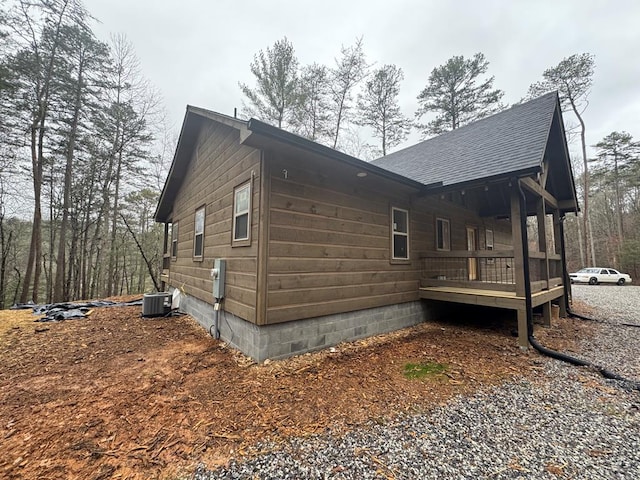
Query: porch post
point(542, 246)
point(558, 232)
point(518, 266)
point(542, 239)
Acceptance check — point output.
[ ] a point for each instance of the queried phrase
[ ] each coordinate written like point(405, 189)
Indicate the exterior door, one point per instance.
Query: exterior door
point(472, 246)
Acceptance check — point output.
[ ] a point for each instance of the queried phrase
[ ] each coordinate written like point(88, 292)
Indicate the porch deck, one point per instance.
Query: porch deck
point(489, 298)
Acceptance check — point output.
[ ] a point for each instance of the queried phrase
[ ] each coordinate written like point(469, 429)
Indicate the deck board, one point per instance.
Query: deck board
point(490, 298)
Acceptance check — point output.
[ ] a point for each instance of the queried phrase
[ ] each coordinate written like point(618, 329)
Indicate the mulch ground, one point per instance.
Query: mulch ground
point(119, 396)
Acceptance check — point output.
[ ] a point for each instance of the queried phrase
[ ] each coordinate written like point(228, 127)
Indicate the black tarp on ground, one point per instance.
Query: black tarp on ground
point(54, 312)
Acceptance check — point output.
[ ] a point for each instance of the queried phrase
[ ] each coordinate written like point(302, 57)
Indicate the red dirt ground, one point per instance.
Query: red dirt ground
point(119, 396)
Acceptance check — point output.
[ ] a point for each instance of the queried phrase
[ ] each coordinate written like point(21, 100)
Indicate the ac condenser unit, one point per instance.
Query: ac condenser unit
point(154, 304)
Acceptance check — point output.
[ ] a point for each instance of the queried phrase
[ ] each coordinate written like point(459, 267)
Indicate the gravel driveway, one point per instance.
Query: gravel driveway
point(573, 424)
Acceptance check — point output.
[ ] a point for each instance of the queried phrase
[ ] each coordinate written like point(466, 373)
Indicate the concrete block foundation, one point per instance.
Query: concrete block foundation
point(293, 338)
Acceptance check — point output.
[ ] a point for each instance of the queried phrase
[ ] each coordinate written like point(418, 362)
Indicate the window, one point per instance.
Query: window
point(489, 235)
point(241, 213)
point(489, 243)
point(400, 234)
point(198, 237)
point(443, 234)
point(174, 239)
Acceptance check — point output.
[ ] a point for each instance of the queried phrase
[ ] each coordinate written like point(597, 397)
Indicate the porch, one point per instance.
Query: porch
point(496, 278)
point(488, 279)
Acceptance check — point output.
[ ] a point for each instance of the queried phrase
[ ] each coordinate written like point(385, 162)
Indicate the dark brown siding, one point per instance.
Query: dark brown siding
point(330, 245)
point(219, 164)
point(460, 217)
point(329, 241)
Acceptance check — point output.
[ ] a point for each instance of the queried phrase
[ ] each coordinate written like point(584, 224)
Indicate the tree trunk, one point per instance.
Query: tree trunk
point(59, 293)
point(589, 244)
point(34, 248)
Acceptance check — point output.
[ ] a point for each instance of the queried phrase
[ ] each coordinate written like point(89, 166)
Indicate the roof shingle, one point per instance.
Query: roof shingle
point(510, 141)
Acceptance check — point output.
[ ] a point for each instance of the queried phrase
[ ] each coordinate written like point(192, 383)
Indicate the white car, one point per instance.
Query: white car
point(596, 275)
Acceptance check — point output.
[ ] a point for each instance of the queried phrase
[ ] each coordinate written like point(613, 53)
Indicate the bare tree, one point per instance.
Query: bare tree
point(349, 71)
point(85, 58)
point(37, 32)
point(378, 107)
point(312, 114)
point(572, 78)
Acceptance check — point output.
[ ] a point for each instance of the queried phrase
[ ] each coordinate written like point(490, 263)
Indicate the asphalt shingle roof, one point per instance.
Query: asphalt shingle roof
point(510, 141)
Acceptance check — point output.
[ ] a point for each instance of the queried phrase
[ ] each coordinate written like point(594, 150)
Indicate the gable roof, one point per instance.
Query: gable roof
point(257, 134)
point(510, 142)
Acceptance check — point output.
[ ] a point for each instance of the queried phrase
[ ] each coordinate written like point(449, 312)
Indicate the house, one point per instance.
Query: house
point(321, 247)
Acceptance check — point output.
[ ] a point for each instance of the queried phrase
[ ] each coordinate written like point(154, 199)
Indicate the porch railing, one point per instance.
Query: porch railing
point(491, 270)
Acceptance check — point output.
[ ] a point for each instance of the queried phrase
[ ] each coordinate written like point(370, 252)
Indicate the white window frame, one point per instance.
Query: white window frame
point(488, 234)
point(446, 240)
point(196, 233)
point(395, 232)
point(489, 238)
point(236, 214)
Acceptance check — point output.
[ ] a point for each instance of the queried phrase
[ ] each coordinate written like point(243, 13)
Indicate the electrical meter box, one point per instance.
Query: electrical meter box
point(218, 274)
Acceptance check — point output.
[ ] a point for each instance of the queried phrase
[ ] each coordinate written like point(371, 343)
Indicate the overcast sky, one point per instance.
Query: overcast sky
point(196, 51)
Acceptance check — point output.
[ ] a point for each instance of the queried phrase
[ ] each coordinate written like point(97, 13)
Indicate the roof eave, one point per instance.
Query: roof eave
point(481, 182)
point(164, 206)
point(264, 129)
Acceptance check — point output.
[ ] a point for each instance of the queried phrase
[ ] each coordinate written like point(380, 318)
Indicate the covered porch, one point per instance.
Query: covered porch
point(530, 274)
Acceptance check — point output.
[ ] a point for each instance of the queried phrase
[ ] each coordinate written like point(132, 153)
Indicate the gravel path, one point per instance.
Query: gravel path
point(574, 424)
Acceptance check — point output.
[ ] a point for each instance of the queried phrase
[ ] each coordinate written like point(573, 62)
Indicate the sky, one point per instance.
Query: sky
point(196, 51)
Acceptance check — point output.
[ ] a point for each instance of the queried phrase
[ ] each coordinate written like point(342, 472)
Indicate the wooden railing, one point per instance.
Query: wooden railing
point(490, 270)
point(545, 270)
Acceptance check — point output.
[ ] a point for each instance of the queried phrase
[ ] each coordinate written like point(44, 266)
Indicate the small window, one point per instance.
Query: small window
point(489, 243)
point(443, 234)
point(241, 212)
point(613, 272)
point(489, 235)
point(400, 234)
point(198, 237)
point(174, 239)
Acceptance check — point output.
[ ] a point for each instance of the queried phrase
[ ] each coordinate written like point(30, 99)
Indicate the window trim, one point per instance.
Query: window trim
point(489, 246)
point(406, 234)
point(446, 246)
point(174, 240)
point(241, 242)
point(195, 233)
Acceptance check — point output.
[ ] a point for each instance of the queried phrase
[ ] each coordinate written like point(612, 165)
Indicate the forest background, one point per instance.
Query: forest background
point(86, 143)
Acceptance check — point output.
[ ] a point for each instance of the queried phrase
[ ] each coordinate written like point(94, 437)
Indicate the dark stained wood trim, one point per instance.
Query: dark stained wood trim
point(516, 236)
point(534, 187)
point(263, 239)
point(468, 254)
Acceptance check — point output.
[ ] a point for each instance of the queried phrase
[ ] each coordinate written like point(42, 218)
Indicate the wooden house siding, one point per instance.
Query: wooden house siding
point(219, 164)
point(330, 241)
point(460, 218)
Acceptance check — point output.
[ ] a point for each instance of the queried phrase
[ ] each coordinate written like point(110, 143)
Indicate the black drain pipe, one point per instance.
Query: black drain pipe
point(529, 307)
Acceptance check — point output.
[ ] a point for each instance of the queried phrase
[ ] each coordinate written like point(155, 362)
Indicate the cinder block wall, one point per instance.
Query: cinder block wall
point(292, 338)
